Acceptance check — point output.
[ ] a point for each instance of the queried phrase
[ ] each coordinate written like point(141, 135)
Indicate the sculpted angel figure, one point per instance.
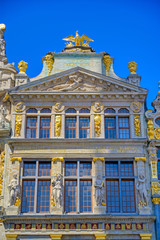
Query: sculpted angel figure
point(14, 190)
point(99, 191)
point(142, 191)
point(57, 185)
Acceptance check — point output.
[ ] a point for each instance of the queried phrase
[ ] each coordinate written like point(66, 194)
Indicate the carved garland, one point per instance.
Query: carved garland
point(137, 123)
point(1, 170)
point(97, 125)
point(57, 125)
point(150, 130)
point(18, 124)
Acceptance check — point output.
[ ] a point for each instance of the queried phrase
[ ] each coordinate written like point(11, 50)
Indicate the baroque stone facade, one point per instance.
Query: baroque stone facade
point(79, 150)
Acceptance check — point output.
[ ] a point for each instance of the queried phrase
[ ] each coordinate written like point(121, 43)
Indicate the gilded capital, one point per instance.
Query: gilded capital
point(143, 159)
point(156, 200)
point(132, 67)
point(22, 66)
point(100, 236)
point(11, 236)
point(98, 159)
point(145, 236)
point(61, 159)
point(55, 236)
point(13, 159)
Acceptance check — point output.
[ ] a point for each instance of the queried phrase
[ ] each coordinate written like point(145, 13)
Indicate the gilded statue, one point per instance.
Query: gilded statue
point(77, 39)
point(22, 66)
point(107, 63)
point(132, 67)
point(49, 62)
point(137, 123)
point(18, 124)
point(97, 125)
point(58, 125)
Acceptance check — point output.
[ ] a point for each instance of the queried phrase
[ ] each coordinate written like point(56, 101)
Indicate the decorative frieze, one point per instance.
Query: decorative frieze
point(18, 124)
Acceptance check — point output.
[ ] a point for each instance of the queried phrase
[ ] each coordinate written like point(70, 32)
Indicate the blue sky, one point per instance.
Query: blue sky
point(127, 30)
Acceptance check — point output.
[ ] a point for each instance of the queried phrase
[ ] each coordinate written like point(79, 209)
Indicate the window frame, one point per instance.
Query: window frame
point(36, 178)
point(121, 178)
point(78, 179)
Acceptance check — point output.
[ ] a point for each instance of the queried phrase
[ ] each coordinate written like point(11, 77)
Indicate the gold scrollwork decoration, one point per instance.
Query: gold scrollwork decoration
point(18, 124)
point(97, 125)
point(150, 130)
point(137, 125)
point(58, 125)
point(13, 159)
point(17, 202)
point(98, 159)
point(157, 133)
point(1, 170)
point(155, 186)
point(61, 159)
point(107, 63)
point(154, 169)
point(156, 200)
point(49, 62)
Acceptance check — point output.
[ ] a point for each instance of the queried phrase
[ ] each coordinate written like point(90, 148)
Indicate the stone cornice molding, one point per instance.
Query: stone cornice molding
point(137, 159)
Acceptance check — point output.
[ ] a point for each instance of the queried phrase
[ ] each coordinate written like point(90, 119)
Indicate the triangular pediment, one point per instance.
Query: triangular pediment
point(77, 80)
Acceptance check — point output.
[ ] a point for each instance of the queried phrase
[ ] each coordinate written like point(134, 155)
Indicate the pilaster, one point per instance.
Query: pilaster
point(56, 236)
point(100, 236)
point(11, 236)
point(145, 236)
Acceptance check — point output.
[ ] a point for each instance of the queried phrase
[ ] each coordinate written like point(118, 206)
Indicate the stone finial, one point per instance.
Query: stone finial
point(22, 66)
point(107, 63)
point(132, 67)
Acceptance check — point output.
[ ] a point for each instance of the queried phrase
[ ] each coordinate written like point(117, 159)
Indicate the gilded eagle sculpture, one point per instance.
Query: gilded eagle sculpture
point(78, 40)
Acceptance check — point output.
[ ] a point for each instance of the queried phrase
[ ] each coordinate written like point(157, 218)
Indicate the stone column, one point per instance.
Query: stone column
point(57, 189)
point(99, 186)
point(100, 236)
point(146, 236)
point(11, 236)
point(143, 199)
point(56, 236)
point(14, 172)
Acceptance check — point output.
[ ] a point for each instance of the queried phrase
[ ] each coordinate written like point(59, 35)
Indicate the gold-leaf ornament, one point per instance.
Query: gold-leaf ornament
point(49, 62)
point(157, 133)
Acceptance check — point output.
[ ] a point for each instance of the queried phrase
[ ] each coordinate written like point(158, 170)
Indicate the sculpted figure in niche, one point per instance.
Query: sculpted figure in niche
point(99, 192)
point(142, 191)
point(57, 185)
point(14, 190)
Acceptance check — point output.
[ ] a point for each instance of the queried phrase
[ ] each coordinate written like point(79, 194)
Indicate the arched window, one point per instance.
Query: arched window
point(84, 110)
point(157, 121)
point(70, 110)
point(31, 110)
point(45, 110)
point(109, 110)
point(123, 110)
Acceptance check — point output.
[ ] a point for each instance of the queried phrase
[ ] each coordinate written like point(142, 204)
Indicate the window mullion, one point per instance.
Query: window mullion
point(36, 188)
point(78, 187)
point(117, 127)
point(120, 192)
point(78, 126)
point(38, 126)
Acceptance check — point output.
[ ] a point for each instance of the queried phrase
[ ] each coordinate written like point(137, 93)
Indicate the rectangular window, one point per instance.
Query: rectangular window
point(120, 186)
point(123, 123)
point(45, 127)
point(78, 186)
point(71, 127)
point(110, 127)
point(84, 127)
point(36, 182)
point(31, 127)
point(158, 163)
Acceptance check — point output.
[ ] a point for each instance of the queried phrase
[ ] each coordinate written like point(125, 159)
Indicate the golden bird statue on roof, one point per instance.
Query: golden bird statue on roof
point(77, 39)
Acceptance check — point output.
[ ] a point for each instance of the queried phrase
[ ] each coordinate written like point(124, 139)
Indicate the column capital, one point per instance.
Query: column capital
point(55, 236)
point(98, 159)
point(11, 236)
point(100, 236)
point(137, 159)
point(61, 159)
point(156, 200)
point(145, 235)
point(13, 159)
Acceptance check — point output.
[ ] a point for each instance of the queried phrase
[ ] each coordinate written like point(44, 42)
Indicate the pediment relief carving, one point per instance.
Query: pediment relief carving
point(77, 82)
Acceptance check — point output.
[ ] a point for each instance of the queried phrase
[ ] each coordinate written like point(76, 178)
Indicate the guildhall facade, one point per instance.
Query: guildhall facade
point(80, 153)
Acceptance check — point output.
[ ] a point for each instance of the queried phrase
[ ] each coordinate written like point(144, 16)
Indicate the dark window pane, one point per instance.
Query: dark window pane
point(85, 196)
point(85, 169)
point(84, 110)
point(158, 153)
point(110, 127)
point(109, 110)
point(71, 169)
point(126, 169)
point(71, 110)
point(44, 168)
point(29, 169)
point(158, 169)
point(43, 196)
point(123, 124)
point(70, 127)
point(45, 110)
point(111, 169)
point(31, 110)
point(84, 125)
point(157, 121)
point(28, 196)
point(31, 127)
point(123, 110)
point(113, 204)
point(45, 127)
point(70, 196)
point(128, 200)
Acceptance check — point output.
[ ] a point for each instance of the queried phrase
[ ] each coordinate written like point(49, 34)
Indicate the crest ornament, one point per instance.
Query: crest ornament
point(20, 107)
point(97, 107)
point(136, 107)
point(157, 133)
point(58, 107)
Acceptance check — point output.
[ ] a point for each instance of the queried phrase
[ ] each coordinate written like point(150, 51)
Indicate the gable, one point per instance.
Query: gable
point(78, 80)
